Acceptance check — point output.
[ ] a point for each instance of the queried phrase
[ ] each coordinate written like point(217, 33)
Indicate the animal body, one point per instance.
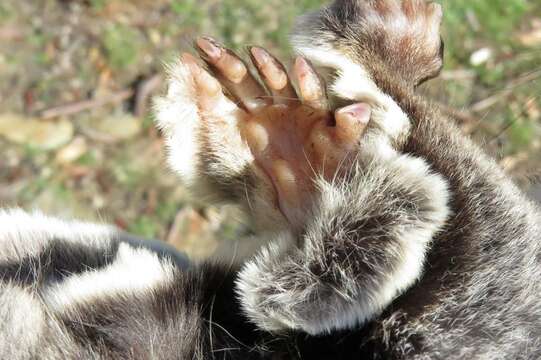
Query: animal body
point(383, 232)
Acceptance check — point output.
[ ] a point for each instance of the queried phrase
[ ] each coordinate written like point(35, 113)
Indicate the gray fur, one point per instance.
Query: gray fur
point(478, 297)
point(364, 245)
point(474, 292)
point(171, 318)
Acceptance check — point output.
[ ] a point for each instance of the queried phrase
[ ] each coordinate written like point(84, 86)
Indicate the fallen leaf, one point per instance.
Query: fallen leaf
point(35, 133)
point(72, 151)
point(530, 38)
point(113, 128)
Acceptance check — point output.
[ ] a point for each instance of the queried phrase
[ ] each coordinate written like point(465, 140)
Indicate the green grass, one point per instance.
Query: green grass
point(144, 226)
point(471, 25)
point(5, 12)
point(127, 175)
point(167, 209)
point(120, 43)
point(34, 188)
point(466, 22)
point(98, 5)
point(245, 22)
point(87, 159)
point(190, 11)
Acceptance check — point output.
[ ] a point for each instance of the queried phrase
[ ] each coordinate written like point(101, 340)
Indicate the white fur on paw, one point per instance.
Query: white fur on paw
point(276, 309)
point(201, 145)
point(178, 117)
point(354, 83)
point(256, 290)
point(275, 304)
point(265, 307)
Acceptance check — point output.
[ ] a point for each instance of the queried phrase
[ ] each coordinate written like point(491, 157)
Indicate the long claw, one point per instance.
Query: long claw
point(310, 86)
point(233, 74)
point(274, 75)
point(231, 67)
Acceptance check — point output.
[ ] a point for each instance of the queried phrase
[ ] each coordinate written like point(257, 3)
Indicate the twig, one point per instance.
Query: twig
point(144, 90)
point(508, 91)
point(490, 101)
point(80, 106)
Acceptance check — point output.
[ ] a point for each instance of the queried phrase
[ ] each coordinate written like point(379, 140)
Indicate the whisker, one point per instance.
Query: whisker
point(279, 97)
point(247, 195)
point(211, 322)
point(309, 162)
point(230, 335)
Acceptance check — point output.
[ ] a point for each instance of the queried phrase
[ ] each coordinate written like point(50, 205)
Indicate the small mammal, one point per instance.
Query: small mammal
point(386, 233)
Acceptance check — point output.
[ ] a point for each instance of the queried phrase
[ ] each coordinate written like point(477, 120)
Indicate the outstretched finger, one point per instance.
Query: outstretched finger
point(311, 89)
point(233, 74)
point(274, 75)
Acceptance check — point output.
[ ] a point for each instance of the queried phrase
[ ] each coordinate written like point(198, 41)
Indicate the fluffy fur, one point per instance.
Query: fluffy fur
point(84, 293)
point(425, 250)
point(207, 152)
point(477, 297)
point(364, 245)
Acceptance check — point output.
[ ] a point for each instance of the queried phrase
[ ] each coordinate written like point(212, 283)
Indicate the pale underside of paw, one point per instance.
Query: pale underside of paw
point(287, 136)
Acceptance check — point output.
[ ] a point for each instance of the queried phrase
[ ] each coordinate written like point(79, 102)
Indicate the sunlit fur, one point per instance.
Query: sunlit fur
point(426, 250)
point(206, 150)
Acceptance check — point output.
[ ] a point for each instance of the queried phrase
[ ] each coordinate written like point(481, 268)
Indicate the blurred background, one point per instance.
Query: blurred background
point(76, 76)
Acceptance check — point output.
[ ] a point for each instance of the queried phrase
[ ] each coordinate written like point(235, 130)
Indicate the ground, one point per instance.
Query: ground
point(76, 132)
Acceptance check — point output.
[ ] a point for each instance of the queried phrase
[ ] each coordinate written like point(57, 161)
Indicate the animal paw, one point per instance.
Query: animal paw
point(263, 143)
point(283, 293)
point(403, 35)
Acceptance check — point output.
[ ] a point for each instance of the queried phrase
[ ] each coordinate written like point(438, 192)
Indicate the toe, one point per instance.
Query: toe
point(229, 64)
point(274, 75)
point(326, 152)
point(311, 87)
point(351, 122)
point(232, 74)
point(332, 145)
point(321, 140)
point(285, 178)
point(288, 187)
point(208, 88)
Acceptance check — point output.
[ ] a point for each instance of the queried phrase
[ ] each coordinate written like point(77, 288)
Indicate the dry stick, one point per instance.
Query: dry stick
point(494, 99)
point(491, 101)
point(79, 106)
point(144, 90)
point(467, 117)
